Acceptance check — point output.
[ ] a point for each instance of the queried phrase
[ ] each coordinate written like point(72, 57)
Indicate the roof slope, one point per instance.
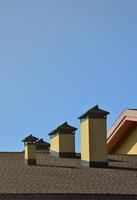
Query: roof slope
point(66, 175)
point(126, 122)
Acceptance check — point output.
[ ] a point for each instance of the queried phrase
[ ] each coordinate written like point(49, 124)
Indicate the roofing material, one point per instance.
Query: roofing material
point(66, 175)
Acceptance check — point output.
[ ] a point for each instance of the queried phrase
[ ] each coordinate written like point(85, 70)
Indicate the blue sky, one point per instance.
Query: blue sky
point(60, 58)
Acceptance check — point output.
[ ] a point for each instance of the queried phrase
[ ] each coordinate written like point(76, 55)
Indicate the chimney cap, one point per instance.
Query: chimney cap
point(42, 145)
point(94, 112)
point(64, 126)
point(30, 139)
point(42, 142)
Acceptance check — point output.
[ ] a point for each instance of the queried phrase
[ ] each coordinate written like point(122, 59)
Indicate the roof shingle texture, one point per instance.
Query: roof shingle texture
point(65, 175)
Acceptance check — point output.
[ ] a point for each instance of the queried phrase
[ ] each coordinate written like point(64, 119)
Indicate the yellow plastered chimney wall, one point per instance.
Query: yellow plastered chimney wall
point(54, 143)
point(94, 138)
point(30, 149)
point(63, 141)
point(30, 154)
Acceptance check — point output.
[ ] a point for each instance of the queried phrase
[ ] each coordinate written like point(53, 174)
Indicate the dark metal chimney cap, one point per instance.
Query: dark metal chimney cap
point(94, 112)
point(30, 139)
point(63, 127)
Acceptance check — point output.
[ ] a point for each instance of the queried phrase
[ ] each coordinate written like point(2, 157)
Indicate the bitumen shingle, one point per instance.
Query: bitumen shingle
point(66, 176)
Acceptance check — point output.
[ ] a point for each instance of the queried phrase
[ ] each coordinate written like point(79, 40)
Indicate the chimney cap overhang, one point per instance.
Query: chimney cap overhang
point(63, 127)
point(30, 139)
point(94, 112)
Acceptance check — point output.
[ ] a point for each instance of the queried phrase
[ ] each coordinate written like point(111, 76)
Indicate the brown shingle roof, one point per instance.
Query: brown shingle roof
point(66, 175)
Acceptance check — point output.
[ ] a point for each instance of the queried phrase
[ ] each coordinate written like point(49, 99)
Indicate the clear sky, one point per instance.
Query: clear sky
point(58, 58)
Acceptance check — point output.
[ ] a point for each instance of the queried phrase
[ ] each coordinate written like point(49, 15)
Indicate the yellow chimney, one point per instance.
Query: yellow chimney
point(94, 138)
point(30, 149)
point(63, 141)
point(42, 146)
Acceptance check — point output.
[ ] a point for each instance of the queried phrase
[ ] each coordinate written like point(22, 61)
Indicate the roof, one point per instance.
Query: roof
point(94, 112)
point(30, 139)
point(67, 176)
point(122, 127)
point(65, 126)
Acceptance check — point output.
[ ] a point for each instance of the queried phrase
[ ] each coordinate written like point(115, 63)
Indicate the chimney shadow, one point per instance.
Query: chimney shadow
point(123, 168)
point(57, 166)
point(114, 160)
point(73, 167)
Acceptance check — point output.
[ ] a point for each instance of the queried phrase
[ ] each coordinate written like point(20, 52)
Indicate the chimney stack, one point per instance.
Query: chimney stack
point(63, 141)
point(42, 146)
point(30, 149)
point(94, 138)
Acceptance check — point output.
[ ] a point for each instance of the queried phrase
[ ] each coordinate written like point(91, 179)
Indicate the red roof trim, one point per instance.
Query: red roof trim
point(126, 121)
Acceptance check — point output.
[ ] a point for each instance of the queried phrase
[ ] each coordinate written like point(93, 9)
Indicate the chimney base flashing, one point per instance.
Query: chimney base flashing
point(63, 154)
point(30, 162)
point(94, 164)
